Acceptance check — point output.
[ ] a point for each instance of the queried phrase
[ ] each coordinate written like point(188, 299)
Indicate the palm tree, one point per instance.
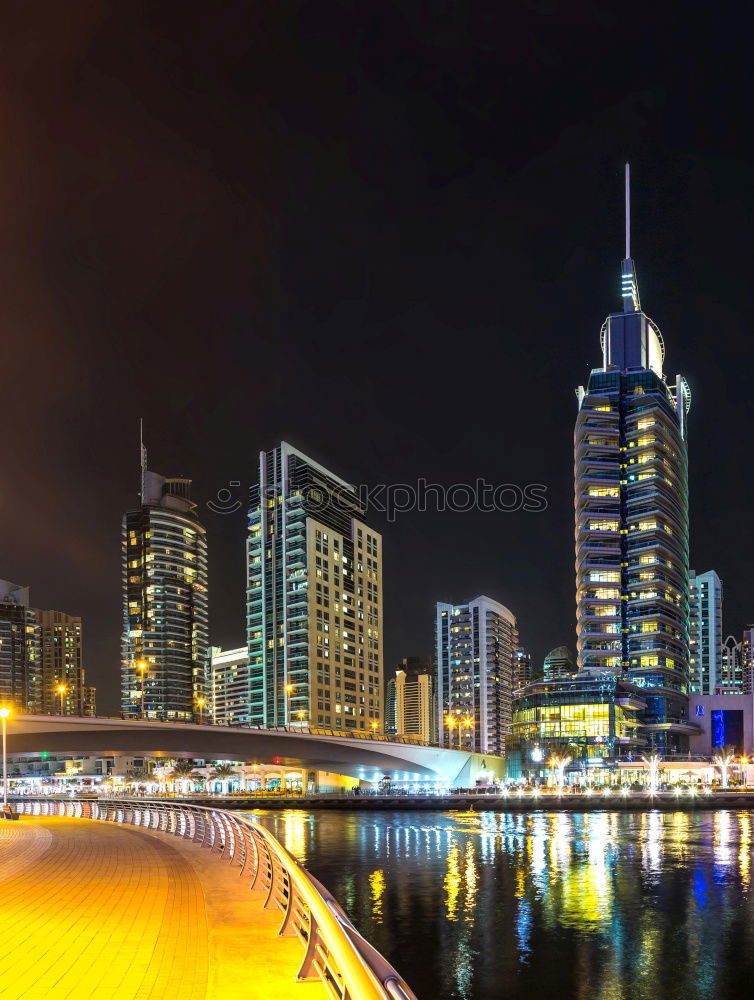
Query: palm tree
point(182, 768)
point(223, 773)
point(198, 778)
point(137, 776)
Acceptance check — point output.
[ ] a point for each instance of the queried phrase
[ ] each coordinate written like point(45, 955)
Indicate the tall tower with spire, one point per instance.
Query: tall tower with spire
point(632, 527)
point(165, 640)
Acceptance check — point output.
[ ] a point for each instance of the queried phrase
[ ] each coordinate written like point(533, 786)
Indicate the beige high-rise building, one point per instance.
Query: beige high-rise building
point(62, 664)
point(412, 706)
point(314, 599)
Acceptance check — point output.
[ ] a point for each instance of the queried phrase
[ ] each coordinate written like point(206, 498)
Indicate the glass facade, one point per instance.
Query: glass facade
point(631, 500)
point(594, 718)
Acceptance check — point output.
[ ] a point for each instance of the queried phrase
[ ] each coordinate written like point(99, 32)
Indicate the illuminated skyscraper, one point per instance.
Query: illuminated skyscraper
point(165, 603)
point(476, 647)
point(314, 599)
point(631, 498)
point(20, 676)
point(705, 631)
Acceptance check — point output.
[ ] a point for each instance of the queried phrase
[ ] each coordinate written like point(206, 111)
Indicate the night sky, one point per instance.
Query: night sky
point(387, 232)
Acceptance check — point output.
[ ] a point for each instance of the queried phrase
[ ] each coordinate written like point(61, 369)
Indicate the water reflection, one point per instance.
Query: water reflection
point(483, 905)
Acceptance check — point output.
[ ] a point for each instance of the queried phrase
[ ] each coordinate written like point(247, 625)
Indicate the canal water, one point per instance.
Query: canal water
point(534, 906)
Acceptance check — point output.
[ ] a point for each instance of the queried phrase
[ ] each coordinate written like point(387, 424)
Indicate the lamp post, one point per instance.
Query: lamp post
point(375, 726)
point(4, 713)
point(201, 702)
point(61, 689)
point(142, 666)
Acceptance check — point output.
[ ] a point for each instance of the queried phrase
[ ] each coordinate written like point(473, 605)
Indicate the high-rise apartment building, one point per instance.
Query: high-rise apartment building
point(230, 686)
point(20, 676)
point(731, 673)
point(523, 668)
point(314, 599)
point(165, 604)
point(632, 529)
point(705, 631)
point(62, 665)
point(476, 643)
point(411, 704)
point(40, 653)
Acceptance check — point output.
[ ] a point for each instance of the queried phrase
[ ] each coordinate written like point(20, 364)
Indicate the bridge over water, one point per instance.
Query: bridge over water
point(368, 757)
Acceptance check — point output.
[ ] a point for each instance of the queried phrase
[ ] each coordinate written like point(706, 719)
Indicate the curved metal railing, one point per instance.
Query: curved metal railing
point(334, 951)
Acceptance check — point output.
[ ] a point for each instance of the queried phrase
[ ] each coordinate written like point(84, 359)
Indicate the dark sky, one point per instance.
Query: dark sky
point(387, 232)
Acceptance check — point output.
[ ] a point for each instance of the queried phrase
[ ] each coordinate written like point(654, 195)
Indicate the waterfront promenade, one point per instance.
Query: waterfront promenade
point(99, 910)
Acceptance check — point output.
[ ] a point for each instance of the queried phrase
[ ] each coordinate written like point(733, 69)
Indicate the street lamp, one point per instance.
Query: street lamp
point(375, 727)
point(142, 666)
point(61, 689)
point(201, 702)
point(4, 713)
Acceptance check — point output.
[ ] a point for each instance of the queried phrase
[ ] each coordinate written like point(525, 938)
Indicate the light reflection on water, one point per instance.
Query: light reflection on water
point(504, 905)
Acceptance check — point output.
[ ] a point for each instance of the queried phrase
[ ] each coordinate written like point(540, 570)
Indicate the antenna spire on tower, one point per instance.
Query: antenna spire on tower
point(142, 460)
point(628, 211)
point(629, 283)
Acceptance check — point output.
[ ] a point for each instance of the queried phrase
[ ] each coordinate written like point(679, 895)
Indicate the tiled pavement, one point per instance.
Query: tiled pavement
point(90, 909)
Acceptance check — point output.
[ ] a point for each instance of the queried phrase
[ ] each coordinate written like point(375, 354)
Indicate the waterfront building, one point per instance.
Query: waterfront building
point(631, 501)
point(230, 686)
point(20, 677)
point(314, 599)
point(705, 631)
point(475, 650)
point(591, 717)
point(559, 662)
point(725, 723)
point(411, 704)
point(165, 604)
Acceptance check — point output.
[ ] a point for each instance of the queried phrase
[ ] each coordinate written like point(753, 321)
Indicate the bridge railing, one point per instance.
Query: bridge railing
point(334, 951)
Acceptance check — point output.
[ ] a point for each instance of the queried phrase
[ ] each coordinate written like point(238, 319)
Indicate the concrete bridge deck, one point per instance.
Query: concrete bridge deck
point(103, 911)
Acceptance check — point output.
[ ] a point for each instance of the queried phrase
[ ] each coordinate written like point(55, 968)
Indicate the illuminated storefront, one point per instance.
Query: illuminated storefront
point(591, 718)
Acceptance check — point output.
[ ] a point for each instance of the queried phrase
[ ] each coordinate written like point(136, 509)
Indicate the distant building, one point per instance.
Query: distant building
point(61, 664)
point(314, 599)
point(705, 631)
point(230, 686)
point(20, 677)
point(591, 717)
point(165, 603)
point(731, 674)
point(411, 707)
point(39, 652)
point(523, 668)
point(559, 662)
point(476, 644)
point(747, 660)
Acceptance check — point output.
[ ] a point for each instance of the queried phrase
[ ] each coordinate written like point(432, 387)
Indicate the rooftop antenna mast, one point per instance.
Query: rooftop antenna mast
point(628, 211)
point(142, 459)
point(629, 284)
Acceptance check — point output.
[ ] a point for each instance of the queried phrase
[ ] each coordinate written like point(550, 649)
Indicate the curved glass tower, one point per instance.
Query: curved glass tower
point(632, 528)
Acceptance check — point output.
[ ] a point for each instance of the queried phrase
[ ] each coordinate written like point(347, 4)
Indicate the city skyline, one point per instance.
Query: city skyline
point(165, 234)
